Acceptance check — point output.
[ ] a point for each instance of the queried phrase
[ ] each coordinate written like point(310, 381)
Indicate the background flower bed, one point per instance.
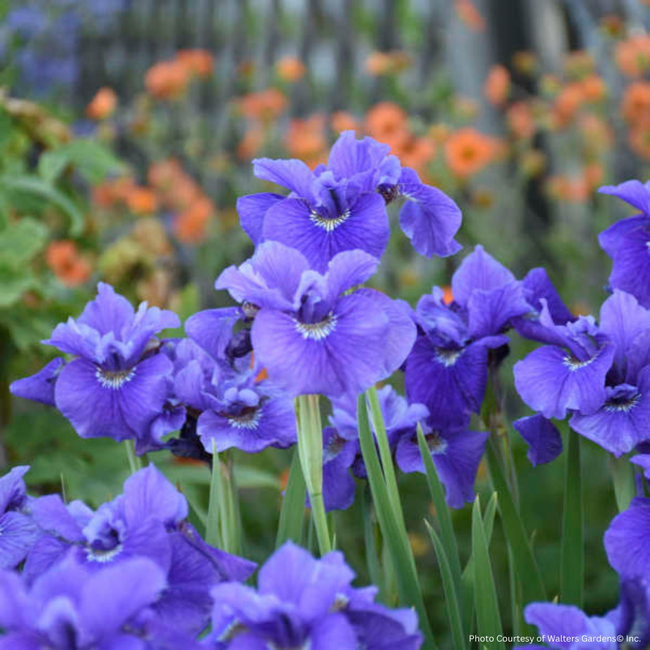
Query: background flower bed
point(521, 149)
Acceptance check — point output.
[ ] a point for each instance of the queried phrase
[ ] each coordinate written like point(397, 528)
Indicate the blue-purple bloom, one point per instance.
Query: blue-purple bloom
point(542, 437)
point(310, 332)
point(17, 530)
point(116, 385)
point(341, 206)
point(627, 242)
point(301, 602)
point(147, 521)
point(448, 367)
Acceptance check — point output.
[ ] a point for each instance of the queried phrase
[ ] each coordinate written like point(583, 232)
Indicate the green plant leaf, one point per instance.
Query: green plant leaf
point(292, 513)
point(572, 564)
point(488, 618)
point(22, 240)
point(451, 593)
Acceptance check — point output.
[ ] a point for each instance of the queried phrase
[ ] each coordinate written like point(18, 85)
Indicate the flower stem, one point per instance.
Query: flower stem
point(310, 451)
point(134, 461)
point(213, 534)
point(622, 472)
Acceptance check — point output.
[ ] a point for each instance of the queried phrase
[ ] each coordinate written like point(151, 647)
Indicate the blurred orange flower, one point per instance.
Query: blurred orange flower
point(386, 122)
point(639, 139)
point(578, 64)
point(251, 143)
point(567, 103)
point(636, 102)
point(497, 85)
point(524, 62)
point(290, 69)
point(265, 105)
point(198, 62)
point(109, 193)
point(470, 16)
point(305, 139)
point(343, 121)
point(520, 120)
point(190, 226)
point(564, 188)
point(416, 153)
point(633, 56)
point(385, 63)
point(467, 151)
point(141, 200)
point(102, 104)
point(167, 79)
point(63, 258)
point(593, 88)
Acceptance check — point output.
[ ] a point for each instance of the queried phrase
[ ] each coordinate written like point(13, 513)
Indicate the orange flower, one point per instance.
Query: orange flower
point(417, 152)
point(109, 193)
point(198, 62)
point(596, 134)
point(190, 226)
point(385, 63)
point(571, 190)
point(578, 64)
point(497, 85)
point(612, 25)
point(386, 122)
point(593, 88)
point(447, 295)
point(342, 121)
point(265, 105)
point(251, 143)
point(102, 104)
point(167, 80)
point(593, 175)
point(469, 15)
point(639, 139)
point(520, 120)
point(305, 139)
point(141, 200)
point(290, 69)
point(63, 258)
point(567, 103)
point(633, 56)
point(467, 151)
point(636, 102)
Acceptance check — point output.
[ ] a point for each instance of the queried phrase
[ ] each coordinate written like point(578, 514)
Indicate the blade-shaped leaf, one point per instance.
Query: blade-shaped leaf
point(292, 514)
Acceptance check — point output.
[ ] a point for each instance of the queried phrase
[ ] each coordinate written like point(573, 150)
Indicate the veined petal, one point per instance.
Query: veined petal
point(252, 209)
point(295, 175)
point(212, 329)
point(542, 437)
point(39, 387)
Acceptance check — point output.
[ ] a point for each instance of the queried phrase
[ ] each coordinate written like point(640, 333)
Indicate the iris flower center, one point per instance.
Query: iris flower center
point(436, 443)
point(448, 357)
point(249, 418)
point(574, 364)
point(114, 378)
point(329, 224)
point(317, 331)
point(103, 555)
point(622, 404)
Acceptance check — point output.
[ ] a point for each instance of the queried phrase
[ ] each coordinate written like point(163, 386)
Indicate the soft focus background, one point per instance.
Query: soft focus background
point(127, 131)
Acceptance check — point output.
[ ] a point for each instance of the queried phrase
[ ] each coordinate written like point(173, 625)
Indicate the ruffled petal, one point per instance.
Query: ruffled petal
point(542, 437)
point(212, 329)
point(39, 387)
point(252, 209)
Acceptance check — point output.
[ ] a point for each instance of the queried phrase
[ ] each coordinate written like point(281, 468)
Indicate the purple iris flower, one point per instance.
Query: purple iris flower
point(116, 386)
point(70, 607)
point(147, 521)
point(456, 453)
point(236, 408)
point(310, 332)
point(303, 602)
point(628, 240)
point(542, 437)
point(448, 366)
point(342, 205)
point(570, 373)
point(18, 532)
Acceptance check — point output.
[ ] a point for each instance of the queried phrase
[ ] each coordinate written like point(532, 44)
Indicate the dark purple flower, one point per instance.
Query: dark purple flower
point(542, 437)
point(627, 241)
point(18, 532)
point(72, 607)
point(456, 453)
point(116, 387)
point(302, 602)
point(146, 521)
point(342, 205)
point(310, 333)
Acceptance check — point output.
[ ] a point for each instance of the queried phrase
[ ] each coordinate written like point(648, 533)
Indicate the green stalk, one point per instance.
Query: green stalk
point(233, 534)
point(134, 461)
point(572, 565)
point(310, 451)
point(213, 532)
point(292, 514)
point(622, 472)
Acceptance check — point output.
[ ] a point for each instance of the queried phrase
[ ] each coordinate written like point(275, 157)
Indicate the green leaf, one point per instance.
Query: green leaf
point(488, 618)
point(21, 241)
point(33, 186)
point(442, 511)
point(292, 514)
point(526, 566)
point(14, 282)
point(451, 593)
point(392, 526)
point(572, 564)
point(213, 532)
point(370, 535)
point(51, 165)
point(622, 472)
point(467, 579)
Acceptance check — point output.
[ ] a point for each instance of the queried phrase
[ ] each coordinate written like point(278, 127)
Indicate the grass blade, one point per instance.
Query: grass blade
point(622, 472)
point(372, 546)
point(213, 532)
point(292, 513)
point(451, 593)
point(392, 527)
point(526, 566)
point(488, 617)
point(572, 565)
point(443, 515)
